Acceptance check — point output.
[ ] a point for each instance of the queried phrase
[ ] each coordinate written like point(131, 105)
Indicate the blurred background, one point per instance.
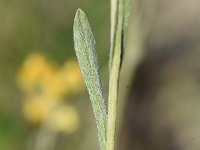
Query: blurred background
point(43, 101)
point(44, 104)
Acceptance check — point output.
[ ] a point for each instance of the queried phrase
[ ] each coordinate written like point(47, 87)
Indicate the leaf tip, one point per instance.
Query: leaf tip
point(79, 13)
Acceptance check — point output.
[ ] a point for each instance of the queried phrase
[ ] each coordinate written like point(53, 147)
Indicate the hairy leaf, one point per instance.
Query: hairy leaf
point(85, 50)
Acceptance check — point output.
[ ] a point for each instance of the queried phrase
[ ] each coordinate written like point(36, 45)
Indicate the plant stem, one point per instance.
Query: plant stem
point(115, 62)
point(45, 138)
point(112, 106)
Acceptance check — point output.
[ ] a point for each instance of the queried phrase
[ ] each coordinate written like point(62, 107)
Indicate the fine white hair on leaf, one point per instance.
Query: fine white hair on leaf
point(84, 44)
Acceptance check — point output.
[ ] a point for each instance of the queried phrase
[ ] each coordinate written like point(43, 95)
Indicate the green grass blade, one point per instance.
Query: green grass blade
point(85, 50)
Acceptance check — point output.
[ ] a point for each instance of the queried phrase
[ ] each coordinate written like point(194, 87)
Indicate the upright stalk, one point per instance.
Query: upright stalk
point(115, 62)
point(86, 53)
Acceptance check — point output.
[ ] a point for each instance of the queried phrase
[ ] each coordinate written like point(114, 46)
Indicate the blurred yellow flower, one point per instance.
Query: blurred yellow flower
point(55, 86)
point(72, 75)
point(64, 119)
point(35, 109)
point(46, 86)
point(34, 70)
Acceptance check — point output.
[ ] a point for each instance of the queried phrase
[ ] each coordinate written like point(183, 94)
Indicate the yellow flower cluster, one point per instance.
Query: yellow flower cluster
point(45, 86)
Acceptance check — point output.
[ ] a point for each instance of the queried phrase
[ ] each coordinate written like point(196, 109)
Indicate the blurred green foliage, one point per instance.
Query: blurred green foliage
point(44, 26)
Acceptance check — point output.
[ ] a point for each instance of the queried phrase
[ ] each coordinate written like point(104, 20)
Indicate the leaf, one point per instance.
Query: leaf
point(85, 50)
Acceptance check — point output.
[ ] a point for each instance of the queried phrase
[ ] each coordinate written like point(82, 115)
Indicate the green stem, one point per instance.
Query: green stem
point(112, 105)
point(115, 62)
point(45, 138)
